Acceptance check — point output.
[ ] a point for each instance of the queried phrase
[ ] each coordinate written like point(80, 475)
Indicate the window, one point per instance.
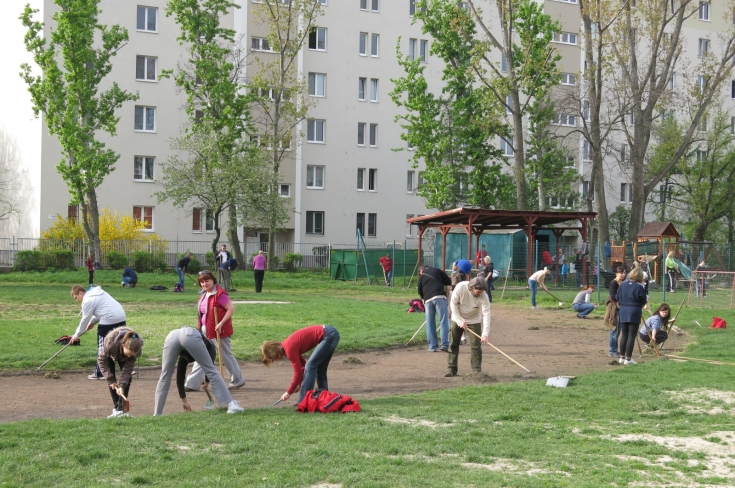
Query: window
point(314, 176)
point(145, 215)
point(259, 44)
point(361, 133)
point(318, 39)
point(145, 68)
point(701, 155)
point(703, 10)
point(315, 130)
point(143, 168)
point(372, 225)
point(732, 89)
point(373, 89)
point(145, 118)
point(567, 79)
point(409, 227)
point(564, 119)
point(361, 82)
point(374, 44)
point(372, 179)
point(284, 190)
point(198, 116)
point(586, 190)
point(72, 212)
point(668, 114)
point(586, 110)
point(360, 179)
point(565, 38)
point(568, 1)
point(196, 220)
point(672, 81)
point(147, 19)
point(732, 125)
point(363, 4)
point(464, 5)
point(410, 176)
point(626, 189)
point(673, 6)
point(586, 151)
point(624, 152)
point(569, 162)
point(508, 104)
point(375, 5)
point(411, 7)
point(703, 124)
point(424, 50)
point(506, 145)
point(209, 220)
point(317, 84)
point(360, 224)
point(503, 63)
point(703, 47)
point(314, 222)
point(702, 83)
point(412, 49)
point(363, 43)
point(373, 135)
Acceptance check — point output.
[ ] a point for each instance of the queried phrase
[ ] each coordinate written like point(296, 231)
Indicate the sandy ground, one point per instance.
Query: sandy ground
point(549, 342)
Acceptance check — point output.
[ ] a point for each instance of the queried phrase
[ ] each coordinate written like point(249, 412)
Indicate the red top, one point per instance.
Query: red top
point(295, 345)
point(206, 304)
point(386, 263)
point(90, 264)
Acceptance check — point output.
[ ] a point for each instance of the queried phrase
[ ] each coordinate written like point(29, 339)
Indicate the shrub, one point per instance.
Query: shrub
point(117, 260)
point(145, 261)
point(292, 261)
point(209, 258)
point(27, 261)
point(194, 266)
point(59, 259)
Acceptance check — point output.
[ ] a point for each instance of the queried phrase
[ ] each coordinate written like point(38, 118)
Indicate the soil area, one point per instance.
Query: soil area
point(548, 342)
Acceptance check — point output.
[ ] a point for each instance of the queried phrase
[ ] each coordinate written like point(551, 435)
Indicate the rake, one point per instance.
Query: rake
point(552, 296)
point(416, 333)
point(528, 371)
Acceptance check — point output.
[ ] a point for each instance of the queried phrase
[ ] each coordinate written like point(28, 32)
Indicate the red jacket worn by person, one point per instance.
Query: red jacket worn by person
point(216, 302)
point(297, 344)
point(386, 263)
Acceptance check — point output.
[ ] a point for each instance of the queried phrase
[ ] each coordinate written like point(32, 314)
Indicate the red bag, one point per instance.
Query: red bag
point(325, 401)
point(718, 323)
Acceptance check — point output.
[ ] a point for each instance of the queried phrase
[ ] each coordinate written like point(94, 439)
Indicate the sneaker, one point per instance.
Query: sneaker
point(93, 376)
point(232, 386)
point(463, 341)
point(621, 360)
point(444, 349)
point(449, 374)
point(117, 413)
point(613, 355)
point(534, 307)
point(432, 350)
point(234, 407)
point(629, 361)
point(186, 388)
point(122, 283)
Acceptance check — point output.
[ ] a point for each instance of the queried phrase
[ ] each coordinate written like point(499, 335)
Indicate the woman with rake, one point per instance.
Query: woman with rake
point(657, 324)
point(631, 297)
point(536, 280)
point(122, 346)
point(187, 345)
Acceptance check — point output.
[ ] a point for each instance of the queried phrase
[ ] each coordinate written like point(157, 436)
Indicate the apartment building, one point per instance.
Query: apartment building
point(342, 175)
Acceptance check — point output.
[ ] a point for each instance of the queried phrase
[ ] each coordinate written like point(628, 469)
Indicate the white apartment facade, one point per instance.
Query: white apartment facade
point(343, 174)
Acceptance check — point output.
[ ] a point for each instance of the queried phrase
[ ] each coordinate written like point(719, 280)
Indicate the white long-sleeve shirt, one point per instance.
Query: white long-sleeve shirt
point(469, 309)
point(99, 306)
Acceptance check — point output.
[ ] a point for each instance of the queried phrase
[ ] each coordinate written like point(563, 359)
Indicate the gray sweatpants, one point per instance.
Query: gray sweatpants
point(191, 340)
point(195, 378)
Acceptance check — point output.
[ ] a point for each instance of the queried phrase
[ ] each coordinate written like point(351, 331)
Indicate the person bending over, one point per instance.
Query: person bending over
point(129, 278)
point(536, 280)
point(188, 345)
point(123, 346)
point(322, 338)
point(658, 323)
point(581, 303)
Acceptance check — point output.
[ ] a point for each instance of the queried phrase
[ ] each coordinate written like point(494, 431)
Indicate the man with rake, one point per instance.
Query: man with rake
point(470, 310)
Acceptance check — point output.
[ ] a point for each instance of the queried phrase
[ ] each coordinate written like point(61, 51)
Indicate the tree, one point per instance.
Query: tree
point(646, 45)
point(212, 79)
point(619, 221)
point(450, 132)
point(113, 227)
point(68, 93)
point(279, 97)
point(528, 71)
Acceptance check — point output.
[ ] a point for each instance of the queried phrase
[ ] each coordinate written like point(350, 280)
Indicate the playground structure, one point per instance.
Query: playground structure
point(654, 240)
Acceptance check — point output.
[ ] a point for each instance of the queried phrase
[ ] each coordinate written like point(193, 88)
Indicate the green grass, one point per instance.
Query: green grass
point(568, 435)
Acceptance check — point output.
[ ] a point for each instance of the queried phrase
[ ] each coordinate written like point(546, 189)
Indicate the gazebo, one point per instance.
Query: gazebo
point(475, 221)
point(658, 231)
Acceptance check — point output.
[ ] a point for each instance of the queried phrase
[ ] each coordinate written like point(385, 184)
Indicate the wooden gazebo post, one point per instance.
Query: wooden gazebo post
point(530, 234)
point(444, 230)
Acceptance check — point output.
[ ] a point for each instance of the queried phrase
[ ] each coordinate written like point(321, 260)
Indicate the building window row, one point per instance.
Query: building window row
point(372, 5)
point(371, 41)
point(372, 134)
point(372, 224)
point(369, 175)
point(418, 49)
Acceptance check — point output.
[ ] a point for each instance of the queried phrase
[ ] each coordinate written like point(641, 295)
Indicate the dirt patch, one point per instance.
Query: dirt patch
point(562, 345)
point(479, 378)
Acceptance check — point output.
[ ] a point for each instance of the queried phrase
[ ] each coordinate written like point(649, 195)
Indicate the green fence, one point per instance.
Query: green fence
point(352, 265)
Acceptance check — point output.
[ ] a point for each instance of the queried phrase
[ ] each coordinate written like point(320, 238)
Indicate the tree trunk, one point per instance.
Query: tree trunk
point(91, 223)
point(217, 231)
point(519, 168)
point(540, 184)
point(232, 233)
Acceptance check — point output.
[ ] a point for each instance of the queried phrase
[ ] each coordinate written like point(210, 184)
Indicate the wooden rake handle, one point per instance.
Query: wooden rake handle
point(219, 341)
point(501, 352)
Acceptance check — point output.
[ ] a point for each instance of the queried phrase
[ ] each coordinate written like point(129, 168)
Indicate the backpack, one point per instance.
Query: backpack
point(158, 287)
point(415, 305)
point(178, 288)
point(718, 323)
point(325, 401)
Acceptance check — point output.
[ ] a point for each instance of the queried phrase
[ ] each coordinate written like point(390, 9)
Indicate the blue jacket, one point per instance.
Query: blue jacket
point(229, 264)
point(129, 273)
point(654, 323)
point(632, 297)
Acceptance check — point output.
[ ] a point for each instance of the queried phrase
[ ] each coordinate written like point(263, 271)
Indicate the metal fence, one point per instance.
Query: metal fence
point(314, 255)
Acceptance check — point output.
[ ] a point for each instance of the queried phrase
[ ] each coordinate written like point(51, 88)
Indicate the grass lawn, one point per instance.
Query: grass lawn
point(603, 430)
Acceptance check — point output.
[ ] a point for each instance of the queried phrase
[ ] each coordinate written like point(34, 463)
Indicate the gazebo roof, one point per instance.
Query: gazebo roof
point(496, 219)
point(654, 230)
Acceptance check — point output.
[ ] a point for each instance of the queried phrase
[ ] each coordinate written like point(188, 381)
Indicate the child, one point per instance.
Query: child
point(657, 323)
point(322, 338)
point(90, 268)
point(564, 273)
point(122, 346)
